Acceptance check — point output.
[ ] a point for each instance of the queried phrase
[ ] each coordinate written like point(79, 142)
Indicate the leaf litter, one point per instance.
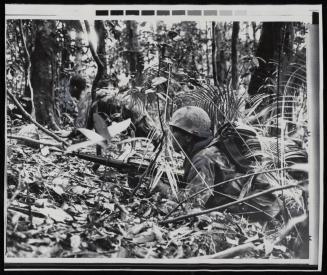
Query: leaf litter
point(64, 209)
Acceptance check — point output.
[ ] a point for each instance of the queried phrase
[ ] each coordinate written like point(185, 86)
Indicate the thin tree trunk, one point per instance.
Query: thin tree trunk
point(221, 66)
point(207, 51)
point(27, 68)
point(97, 60)
point(136, 59)
point(213, 54)
point(236, 28)
point(254, 31)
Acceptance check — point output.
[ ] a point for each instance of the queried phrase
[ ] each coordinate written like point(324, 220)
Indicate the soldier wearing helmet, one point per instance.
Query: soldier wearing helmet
point(206, 164)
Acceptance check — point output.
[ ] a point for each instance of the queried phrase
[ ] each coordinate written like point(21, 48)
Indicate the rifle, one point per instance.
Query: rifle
point(132, 168)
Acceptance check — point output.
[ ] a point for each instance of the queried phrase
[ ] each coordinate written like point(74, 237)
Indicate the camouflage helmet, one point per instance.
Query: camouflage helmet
point(193, 120)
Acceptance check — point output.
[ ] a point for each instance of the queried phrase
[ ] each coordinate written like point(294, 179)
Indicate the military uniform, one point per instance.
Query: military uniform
point(211, 164)
point(117, 106)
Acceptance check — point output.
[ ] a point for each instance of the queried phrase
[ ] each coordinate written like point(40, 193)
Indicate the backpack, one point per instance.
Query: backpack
point(241, 145)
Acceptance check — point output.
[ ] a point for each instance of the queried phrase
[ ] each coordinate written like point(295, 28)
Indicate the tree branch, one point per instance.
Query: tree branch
point(229, 204)
point(29, 117)
point(221, 183)
point(34, 141)
point(230, 252)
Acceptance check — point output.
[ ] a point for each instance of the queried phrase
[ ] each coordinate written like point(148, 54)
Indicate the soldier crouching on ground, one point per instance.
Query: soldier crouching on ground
point(114, 106)
point(191, 133)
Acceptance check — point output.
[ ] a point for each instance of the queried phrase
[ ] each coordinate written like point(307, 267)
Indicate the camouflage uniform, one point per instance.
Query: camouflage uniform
point(210, 163)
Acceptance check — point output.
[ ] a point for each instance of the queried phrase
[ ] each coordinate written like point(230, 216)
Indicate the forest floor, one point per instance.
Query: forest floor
point(58, 207)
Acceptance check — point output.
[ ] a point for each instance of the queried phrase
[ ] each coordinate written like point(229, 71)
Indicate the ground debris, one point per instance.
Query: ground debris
point(58, 207)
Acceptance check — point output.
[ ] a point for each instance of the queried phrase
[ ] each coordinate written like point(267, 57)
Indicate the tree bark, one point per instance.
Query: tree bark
point(267, 51)
point(43, 73)
point(236, 28)
point(221, 66)
point(101, 66)
point(27, 68)
point(213, 54)
point(136, 60)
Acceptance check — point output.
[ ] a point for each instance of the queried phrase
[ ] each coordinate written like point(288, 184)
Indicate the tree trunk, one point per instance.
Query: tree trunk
point(96, 59)
point(221, 66)
point(27, 69)
point(213, 54)
point(254, 31)
point(135, 57)
point(207, 52)
point(101, 51)
point(268, 50)
point(43, 73)
point(101, 66)
point(236, 28)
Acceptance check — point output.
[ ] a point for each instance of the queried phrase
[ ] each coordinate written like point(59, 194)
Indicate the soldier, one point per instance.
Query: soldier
point(191, 133)
point(113, 106)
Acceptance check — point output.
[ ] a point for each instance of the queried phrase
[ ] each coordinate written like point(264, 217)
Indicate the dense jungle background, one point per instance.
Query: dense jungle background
point(252, 74)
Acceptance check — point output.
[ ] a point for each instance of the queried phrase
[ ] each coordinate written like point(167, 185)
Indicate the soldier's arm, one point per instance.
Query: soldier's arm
point(201, 175)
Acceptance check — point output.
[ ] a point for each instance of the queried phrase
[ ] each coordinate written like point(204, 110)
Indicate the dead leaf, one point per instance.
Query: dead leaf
point(58, 190)
point(158, 80)
point(117, 128)
point(145, 237)
point(232, 241)
point(79, 190)
point(109, 206)
point(75, 242)
point(61, 181)
point(158, 234)
point(136, 229)
point(183, 230)
point(269, 246)
point(58, 214)
point(45, 151)
point(41, 203)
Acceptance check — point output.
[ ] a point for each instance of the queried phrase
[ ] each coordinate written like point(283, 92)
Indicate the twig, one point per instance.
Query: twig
point(29, 117)
point(34, 141)
point(229, 204)
point(30, 217)
point(218, 184)
point(122, 208)
point(18, 190)
point(229, 253)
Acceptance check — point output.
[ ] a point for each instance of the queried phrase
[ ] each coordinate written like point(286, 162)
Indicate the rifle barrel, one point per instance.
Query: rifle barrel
point(118, 164)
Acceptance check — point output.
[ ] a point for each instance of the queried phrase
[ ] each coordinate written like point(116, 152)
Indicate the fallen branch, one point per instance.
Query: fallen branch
point(29, 117)
point(218, 184)
point(34, 141)
point(229, 204)
point(229, 253)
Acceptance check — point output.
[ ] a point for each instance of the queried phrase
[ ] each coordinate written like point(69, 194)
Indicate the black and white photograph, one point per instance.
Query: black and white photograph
point(177, 139)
